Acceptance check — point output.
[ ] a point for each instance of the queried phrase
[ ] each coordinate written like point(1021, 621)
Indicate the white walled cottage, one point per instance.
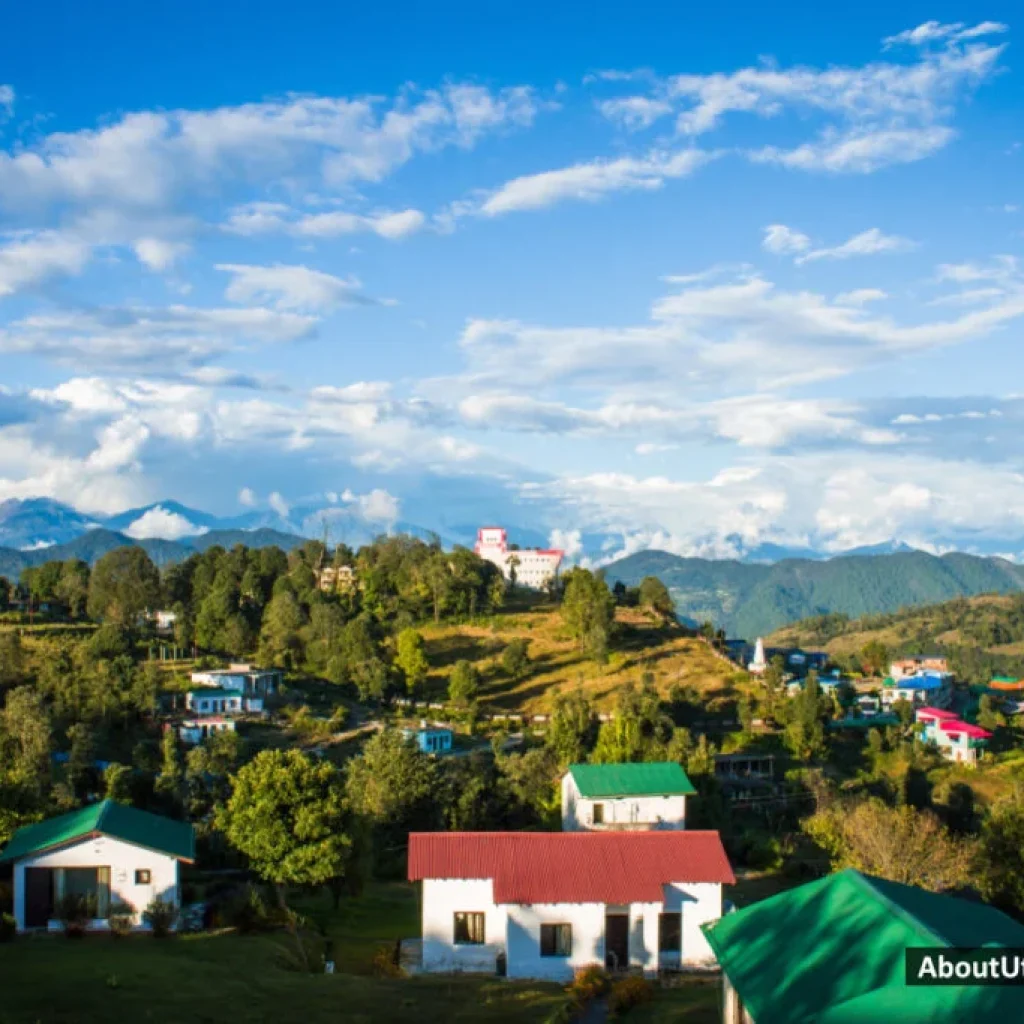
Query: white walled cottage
point(614, 797)
point(549, 903)
point(111, 853)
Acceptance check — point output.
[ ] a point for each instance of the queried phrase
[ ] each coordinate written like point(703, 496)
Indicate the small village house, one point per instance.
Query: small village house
point(833, 952)
point(544, 904)
point(193, 730)
point(929, 687)
point(610, 797)
point(916, 663)
point(210, 700)
point(107, 852)
point(430, 740)
point(256, 682)
point(955, 739)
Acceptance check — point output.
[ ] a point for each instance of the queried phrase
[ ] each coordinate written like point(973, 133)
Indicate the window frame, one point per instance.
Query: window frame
point(597, 813)
point(553, 929)
point(469, 918)
point(143, 876)
point(678, 916)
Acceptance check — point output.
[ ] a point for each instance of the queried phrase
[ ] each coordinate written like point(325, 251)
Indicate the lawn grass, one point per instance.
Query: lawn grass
point(244, 980)
point(668, 652)
point(698, 1001)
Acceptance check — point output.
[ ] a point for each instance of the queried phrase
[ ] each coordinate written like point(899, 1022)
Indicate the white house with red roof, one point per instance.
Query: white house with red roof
point(532, 567)
point(956, 739)
point(548, 903)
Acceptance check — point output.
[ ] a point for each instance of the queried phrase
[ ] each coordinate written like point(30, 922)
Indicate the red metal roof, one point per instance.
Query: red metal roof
point(571, 867)
point(938, 714)
point(975, 732)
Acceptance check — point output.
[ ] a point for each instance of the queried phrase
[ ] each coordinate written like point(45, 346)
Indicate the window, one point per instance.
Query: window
point(598, 814)
point(556, 940)
point(670, 933)
point(469, 929)
point(143, 876)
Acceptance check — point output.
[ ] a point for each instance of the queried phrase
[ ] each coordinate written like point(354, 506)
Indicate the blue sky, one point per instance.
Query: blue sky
point(687, 280)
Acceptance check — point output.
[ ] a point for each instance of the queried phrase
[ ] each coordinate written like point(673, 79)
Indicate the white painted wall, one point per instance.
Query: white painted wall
point(524, 921)
point(663, 812)
point(699, 902)
point(442, 898)
point(515, 929)
point(122, 858)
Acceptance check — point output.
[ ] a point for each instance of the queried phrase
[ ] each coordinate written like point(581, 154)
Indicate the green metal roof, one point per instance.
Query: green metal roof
point(832, 952)
point(661, 778)
point(108, 818)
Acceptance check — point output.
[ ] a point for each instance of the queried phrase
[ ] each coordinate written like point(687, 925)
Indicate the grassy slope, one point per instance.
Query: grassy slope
point(667, 651)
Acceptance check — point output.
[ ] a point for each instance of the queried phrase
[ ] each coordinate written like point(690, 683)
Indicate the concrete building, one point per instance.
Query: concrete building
point(209, 700)
point(243, 677)
point(107, 852)
point(928, 687)
point(430, 741)
point(619, 797)
point(956, 740)
point(916, 663)
point(544, 904)
point(195, 729)
point(530, 567)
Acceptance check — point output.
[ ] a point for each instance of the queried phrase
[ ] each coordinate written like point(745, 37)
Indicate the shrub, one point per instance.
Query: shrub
point(121, 919)
point(75, 911)
point(246, 910)
point(8, 928)
point(384, 965)
point(160, 916)
point(590, 981)
point(627, 993)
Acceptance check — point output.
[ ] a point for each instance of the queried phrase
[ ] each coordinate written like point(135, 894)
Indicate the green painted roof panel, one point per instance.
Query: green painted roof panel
point(661, 778)
point(108, 818)
point(833, 951)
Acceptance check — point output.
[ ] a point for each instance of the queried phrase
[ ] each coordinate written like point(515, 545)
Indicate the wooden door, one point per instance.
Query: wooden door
point(38, 897)
point(616, 942)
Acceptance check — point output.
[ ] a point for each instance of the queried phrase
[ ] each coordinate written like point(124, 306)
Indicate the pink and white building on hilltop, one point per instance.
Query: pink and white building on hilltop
point(533, 567)
point(957, 740)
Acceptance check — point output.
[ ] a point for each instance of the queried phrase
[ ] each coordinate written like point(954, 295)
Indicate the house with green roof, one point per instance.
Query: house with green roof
point(833, 952)
point(616, 797)
point(106, 853)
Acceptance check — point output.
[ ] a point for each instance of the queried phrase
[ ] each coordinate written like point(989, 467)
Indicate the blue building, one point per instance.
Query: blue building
point(431, 741)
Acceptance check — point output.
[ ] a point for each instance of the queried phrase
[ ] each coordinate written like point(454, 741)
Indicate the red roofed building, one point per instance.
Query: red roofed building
point(548, 903)
point(533, 567)
point(957, 740)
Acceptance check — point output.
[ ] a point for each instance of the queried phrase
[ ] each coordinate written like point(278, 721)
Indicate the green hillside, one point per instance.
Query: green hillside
point(750, 600)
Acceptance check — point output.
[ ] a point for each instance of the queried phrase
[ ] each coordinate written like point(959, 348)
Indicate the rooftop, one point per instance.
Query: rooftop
point(659, 778)
point(832, 952)
point(571, 867)
point(140, 828)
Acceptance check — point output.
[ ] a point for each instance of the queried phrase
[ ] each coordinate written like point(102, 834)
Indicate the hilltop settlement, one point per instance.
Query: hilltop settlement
point(404, 782)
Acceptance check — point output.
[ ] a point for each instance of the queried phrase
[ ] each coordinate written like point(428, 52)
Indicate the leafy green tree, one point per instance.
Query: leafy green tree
point(636, 730)
point(117, 783)
point(1001, 877)
point(391, 781)
point(280, 638)
point(26, 738)
point(168, 782)
point(288, 815)
point(72, 589)
point(12, 659)
point(360, 658)
point(463, 683)
point(515, 658)
point(411, 658)
point(572, 728)
point(588, 610)
point(805, 731)
point(81, 769)
point(124, 584)
point(874, 656)
point(655, 596)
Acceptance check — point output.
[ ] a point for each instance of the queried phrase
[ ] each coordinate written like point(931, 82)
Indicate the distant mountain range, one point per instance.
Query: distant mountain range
point(749, 600)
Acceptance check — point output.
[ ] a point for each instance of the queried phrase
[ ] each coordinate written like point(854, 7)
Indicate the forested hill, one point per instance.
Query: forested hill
point(94, 544)
point(749, 600)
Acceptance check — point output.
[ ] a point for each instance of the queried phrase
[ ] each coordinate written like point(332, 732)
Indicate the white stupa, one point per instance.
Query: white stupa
point(758, 665)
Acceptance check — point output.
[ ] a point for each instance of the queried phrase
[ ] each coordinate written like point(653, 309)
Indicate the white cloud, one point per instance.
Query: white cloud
point(635, 112)
point(7, 99)
point(652, 448)
point(586, 182)
point(860, 152)
point(162, 524)
point(783, 240)
point(247, 497)
point(867, 243)
point(159, 254)
point(378, 506)
point(271, 218)
point(570, 542)
point(291, 287)
point(31, 259)
point(860, 297)
point(278, 504)
point(934, 31)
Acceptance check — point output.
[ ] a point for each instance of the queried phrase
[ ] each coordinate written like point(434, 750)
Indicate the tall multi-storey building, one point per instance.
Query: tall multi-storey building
point(533, 567)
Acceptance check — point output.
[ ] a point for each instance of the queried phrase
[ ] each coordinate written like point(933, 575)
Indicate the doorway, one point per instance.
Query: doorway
point(616, 942)
point(38, 897)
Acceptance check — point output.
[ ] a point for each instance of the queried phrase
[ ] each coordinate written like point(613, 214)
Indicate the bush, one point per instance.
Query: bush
point(627, 993)
point(74, 912)
point(121, 919)
point(590, 981)
point(8, 928)
point(246, 911)
point(384, 965)
point(160, 917)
